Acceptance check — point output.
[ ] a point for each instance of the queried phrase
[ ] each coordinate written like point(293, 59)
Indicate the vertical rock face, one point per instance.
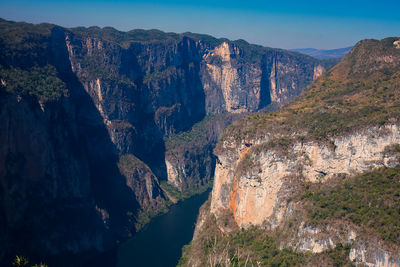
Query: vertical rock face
point(239, 88)
point(87, 119)
point(61, 187)
point(147, 92)
point(250, 184)
point(189, 156)
point(273, 168)
point(366, 254)
point(246, 86)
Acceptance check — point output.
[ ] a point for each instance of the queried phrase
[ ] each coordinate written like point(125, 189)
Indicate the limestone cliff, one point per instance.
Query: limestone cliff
point(150, 91)
point(241, 85)
point(189, 155)
point(88, 116)
point(249, 184)
point(298, 173)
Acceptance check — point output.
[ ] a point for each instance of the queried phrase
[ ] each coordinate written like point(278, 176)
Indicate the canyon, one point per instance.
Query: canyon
point(97, 125)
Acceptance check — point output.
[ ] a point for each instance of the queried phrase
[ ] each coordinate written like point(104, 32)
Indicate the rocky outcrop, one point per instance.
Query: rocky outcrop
point(138, 177)
point(248, 183)
point(189, 155)
point(257, 186)
point(366, 253)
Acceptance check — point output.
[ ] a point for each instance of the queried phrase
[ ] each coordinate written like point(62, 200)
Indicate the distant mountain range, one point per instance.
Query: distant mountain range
point(324, 54)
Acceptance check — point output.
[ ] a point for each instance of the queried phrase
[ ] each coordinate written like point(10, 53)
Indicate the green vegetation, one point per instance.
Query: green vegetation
point(145, 216)
point(200, 132)
point(361, 91)
point(254, 53)
point(392, 149)
point(125, 38)
point(371, 199)
point(143, 36)
point(40, 82)
point(208, 39)
point(98, 67)
point(260, 248)
point(21, 261)
point(24, 67)
point(192, 148)
point(340, 255)
point(20, 36)
point(160, 74)
point(129, 163)
point(181, 195)
point(253, 247)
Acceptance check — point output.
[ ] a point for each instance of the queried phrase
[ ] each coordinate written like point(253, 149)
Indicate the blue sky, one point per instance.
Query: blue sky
point(280, 23)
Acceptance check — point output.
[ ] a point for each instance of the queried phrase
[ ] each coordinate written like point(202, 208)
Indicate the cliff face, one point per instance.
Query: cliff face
point(236, 86)
point(93, 119)
point(309, 174)
point(149, 91)
point(250, 183)
point(189, 155)
point(61, 187)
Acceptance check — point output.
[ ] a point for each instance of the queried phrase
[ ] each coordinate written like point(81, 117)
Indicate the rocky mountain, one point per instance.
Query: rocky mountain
point(324, 54)
point(316, 183)
point(99, 127)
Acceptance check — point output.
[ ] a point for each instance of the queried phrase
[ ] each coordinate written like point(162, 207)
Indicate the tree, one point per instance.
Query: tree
point(20, 261)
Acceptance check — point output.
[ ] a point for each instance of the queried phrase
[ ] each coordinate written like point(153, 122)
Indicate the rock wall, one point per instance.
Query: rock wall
point(61, 190)
point(189, 156)
point(147, 92)
point(254, 184)
point(88, 161)
point(249, 183)
point(275, 78)
point(365, 253)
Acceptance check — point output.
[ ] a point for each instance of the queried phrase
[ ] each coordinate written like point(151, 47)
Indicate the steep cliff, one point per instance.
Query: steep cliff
point(189, 155)
point(317, 174)
point(161, 86)
point(92, 120)
point(61, 189)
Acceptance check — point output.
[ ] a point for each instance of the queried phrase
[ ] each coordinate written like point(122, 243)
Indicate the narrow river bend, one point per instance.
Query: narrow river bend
point(160, 243)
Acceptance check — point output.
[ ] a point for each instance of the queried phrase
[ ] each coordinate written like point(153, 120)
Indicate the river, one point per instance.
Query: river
point(160, 243)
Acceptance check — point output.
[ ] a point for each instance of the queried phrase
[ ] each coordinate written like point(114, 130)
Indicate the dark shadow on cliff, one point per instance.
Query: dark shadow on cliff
point(265, 87)
point(108, 186)
point(187, 96)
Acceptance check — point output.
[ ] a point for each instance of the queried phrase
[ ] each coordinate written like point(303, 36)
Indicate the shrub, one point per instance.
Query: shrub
point(371, 199)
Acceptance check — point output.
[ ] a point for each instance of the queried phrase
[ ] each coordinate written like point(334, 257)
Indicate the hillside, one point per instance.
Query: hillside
point(316, 182)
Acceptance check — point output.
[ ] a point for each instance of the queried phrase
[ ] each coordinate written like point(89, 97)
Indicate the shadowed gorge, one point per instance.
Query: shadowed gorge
point(60, 177)
point(100, 130)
